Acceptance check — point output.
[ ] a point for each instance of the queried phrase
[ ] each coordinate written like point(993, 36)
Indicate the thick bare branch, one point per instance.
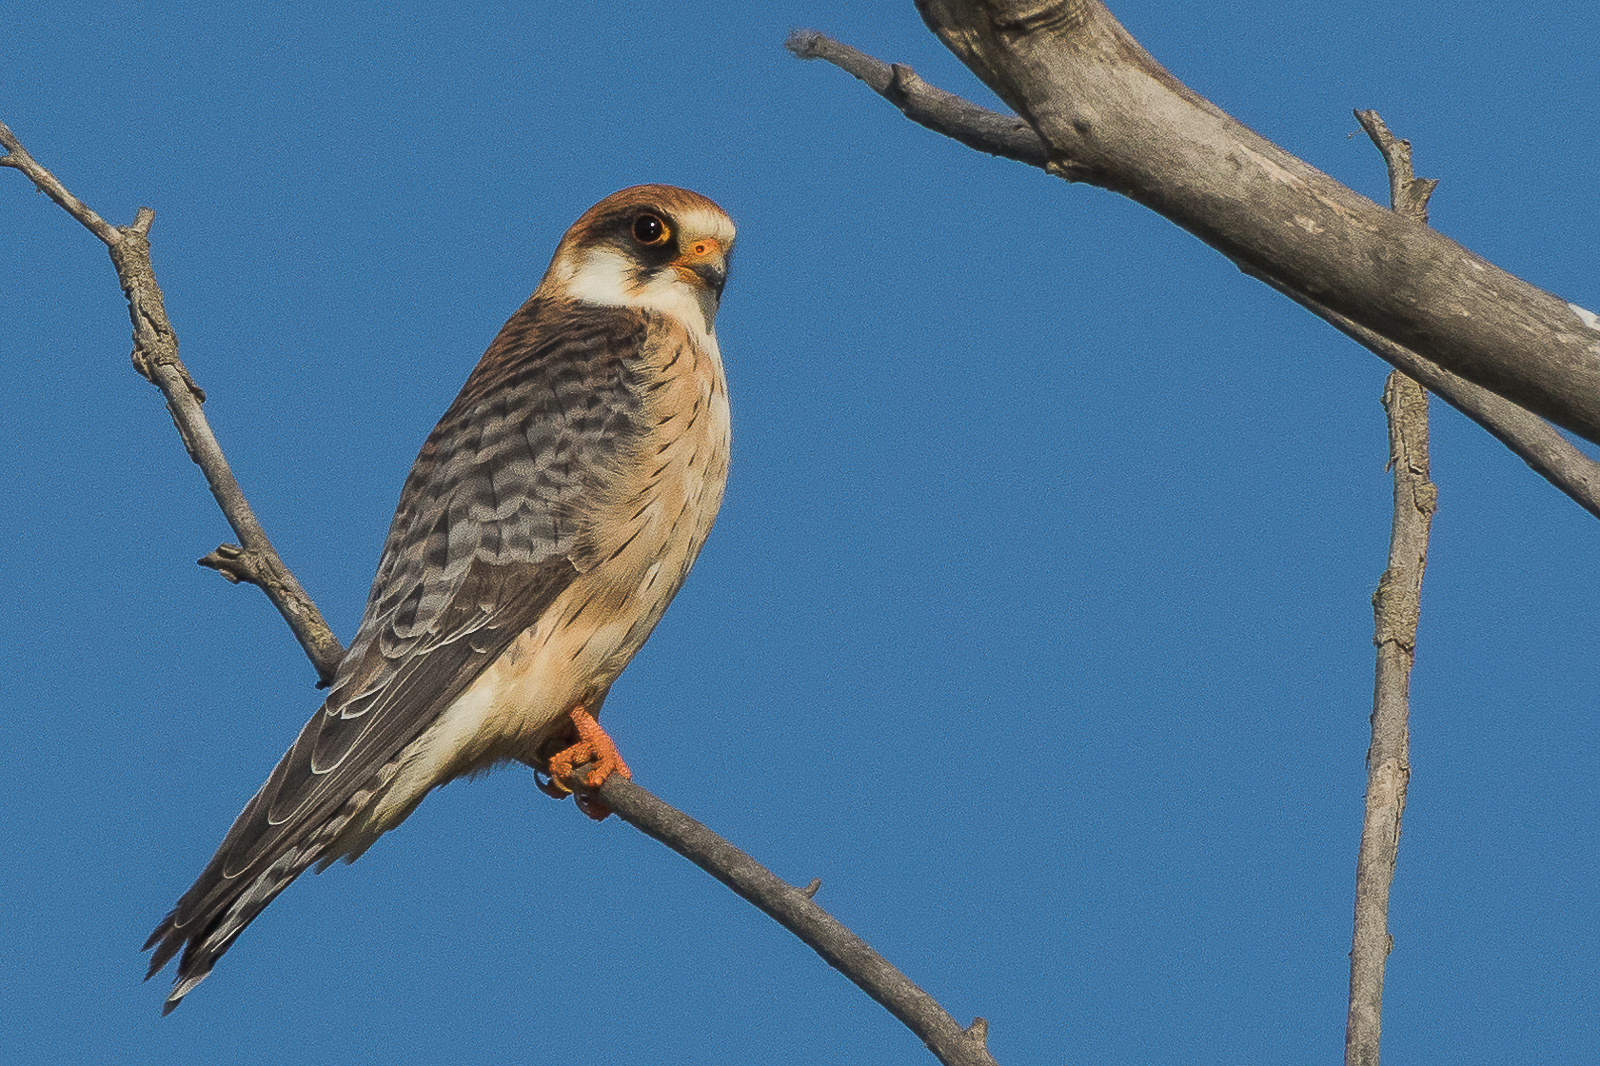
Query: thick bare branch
point(155, 356)
point(796, 911)
point(1533, 440)
point(1109, 115)
point(1396, 609)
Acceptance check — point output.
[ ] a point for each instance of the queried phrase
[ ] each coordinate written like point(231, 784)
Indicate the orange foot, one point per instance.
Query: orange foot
point(594, 749)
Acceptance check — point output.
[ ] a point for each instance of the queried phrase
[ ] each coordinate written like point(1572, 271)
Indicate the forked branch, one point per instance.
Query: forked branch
point(1110, 115)
point(1533, 439)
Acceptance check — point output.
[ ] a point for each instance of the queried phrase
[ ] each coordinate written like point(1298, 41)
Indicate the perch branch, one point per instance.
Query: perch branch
point(155, 357)
point(1395, 607)
point(1531, 438)
point(795, 910)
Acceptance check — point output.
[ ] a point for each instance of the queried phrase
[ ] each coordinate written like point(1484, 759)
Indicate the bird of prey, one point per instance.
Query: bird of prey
point(551, 516)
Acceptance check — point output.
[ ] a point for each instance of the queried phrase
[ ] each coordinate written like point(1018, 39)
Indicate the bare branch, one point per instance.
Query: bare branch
point(1533, 440)
point(976, 127)
point(1396, 607)
point(1108, 114)
point(155, 357)
point(796, 911)
point(1408, 194)
point(17, 157)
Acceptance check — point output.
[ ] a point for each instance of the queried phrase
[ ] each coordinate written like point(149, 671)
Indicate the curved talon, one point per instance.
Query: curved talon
point(550, 786)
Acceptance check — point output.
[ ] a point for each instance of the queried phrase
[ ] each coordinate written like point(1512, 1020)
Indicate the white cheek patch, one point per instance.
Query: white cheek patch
point(605, 277)
point(602, 277)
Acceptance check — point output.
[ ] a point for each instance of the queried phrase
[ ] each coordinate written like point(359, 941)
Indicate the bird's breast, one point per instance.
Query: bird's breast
point(650, 526)
point(640, 534)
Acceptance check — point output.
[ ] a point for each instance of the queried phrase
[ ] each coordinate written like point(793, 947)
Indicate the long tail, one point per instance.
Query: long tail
point(203, 937)
point(258, 859)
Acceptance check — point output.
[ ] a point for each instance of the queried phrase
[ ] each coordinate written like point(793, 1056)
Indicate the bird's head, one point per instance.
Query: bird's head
point(652, 246)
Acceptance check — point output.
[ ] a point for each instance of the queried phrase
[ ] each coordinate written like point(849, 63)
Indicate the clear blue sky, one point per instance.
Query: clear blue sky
point(1036, 623)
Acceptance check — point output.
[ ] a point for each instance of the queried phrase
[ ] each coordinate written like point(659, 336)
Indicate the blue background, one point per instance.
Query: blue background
point(1036, 624)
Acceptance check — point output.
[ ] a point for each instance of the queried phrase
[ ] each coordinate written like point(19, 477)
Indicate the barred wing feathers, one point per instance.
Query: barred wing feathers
point(488, 533)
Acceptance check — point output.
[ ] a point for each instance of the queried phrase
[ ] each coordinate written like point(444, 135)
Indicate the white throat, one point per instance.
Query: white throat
point(605, 277)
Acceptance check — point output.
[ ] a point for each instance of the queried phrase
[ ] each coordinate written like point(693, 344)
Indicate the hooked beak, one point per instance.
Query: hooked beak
point(704, 262)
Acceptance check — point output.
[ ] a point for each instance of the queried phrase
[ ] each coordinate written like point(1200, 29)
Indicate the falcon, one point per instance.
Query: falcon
point(551, 516)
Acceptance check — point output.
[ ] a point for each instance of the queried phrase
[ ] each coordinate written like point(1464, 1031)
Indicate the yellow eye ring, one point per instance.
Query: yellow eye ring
point(650, 231)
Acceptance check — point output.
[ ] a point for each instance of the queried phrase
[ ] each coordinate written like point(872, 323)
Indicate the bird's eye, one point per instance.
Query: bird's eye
point(650, 231)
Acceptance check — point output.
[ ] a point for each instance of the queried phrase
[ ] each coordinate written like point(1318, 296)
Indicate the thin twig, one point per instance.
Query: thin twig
point(1408, 194)
point(1395, 607)
point(1534, 440)
point(17, 157)
point(155, 357)
point(796, 911)
point(944, 113)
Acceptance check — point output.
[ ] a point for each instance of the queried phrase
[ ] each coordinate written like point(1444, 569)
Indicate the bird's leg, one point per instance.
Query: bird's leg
point(596, 753)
